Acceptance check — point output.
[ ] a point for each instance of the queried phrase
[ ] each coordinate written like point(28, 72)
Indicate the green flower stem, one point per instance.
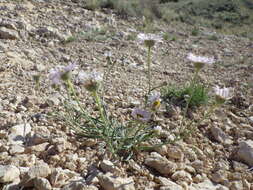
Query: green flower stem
point(72, 93)
point(192, 84)
point(100, 108)
point(149, 70)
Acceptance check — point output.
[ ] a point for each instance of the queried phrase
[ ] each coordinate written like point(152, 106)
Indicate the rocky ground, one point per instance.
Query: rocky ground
point(36, 152)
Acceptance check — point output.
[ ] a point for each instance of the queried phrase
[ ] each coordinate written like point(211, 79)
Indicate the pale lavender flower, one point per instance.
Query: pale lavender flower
point(222, 94)
point(69, 68)
point(149, 39)
point(200, 61)
point(66, 71)
point(60, 74)
point(55, 76)
point(141, 115)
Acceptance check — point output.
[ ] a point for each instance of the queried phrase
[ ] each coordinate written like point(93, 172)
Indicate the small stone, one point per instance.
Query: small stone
point(133, 165)
point(70, 165)
point(198, 178)
point(89, 142)
point(198, 165)
point(161, 150)
point(175, 153)
point(234, 176)
point(107, 166)
point(53, 100)
point(220, 136)
point(161, 164)
point(222, 187)
point(8, 173)
point(109, 182)
point(245, 152)
point(16, 149)
point(59, 177)
point(219, 176)
point(76, 185)
point(6, 33)
point(182, 176)
point(169, 185)
point(190, 154)
point(41, 135)
point(236, 185)
point(17, 133)
point(61, 144)
point(40, 170)
point(11, 186)
point(37, 148)
point(246, 184)
point(205, 185)
point(42, 184)
point(190, 169)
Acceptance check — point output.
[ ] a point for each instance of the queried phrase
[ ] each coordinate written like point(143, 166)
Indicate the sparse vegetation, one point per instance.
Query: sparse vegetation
point(173, 95)
point(218, 14)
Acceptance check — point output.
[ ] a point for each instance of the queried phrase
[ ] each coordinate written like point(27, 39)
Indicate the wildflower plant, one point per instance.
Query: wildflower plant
point(122, 139)
point(196, 94)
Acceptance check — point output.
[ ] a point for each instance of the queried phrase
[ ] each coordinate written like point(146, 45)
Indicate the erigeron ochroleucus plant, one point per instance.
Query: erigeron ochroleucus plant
point(119, 137)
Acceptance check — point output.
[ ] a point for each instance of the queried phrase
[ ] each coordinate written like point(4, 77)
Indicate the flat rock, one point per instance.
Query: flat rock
point(42, 184)
point(168, 184)
point(175, 152)
point(40, 170)
point(59, 176)
point(107, 166)
point(9, 34)
point(109, 182)
point(8, 173)
point(220, 136)
point(245, 152)
point(206, 185)
point(182, 176)
point(17, 133)
point(16, 149)
point(41, 135)
point(160, 163)
point(78, 185)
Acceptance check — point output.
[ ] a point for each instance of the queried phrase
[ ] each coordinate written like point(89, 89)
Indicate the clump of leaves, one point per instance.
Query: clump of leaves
point(195, 31)
point(179, 96)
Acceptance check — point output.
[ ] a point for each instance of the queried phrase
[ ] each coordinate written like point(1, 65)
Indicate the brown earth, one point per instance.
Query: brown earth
point(37, 35)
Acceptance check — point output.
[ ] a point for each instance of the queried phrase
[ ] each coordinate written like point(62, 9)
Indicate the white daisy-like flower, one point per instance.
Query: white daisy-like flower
point(200, 61)
point(149, 39)
point(108, 54)
point(222, 94)
point(157, 129)
point(154, 101)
